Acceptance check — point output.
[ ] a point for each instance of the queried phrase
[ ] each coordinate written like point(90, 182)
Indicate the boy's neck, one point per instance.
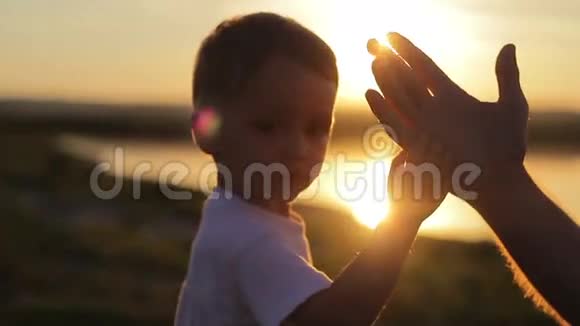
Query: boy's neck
point(275, 206)
point(279, 207)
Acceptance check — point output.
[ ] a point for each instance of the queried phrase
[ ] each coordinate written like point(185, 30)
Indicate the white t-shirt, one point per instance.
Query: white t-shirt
point(248, 266)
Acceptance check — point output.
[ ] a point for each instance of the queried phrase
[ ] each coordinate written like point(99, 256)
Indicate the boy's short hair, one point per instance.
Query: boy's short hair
point(238, 48)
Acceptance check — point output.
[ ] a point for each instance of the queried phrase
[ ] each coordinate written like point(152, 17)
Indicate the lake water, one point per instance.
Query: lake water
point(351, 179)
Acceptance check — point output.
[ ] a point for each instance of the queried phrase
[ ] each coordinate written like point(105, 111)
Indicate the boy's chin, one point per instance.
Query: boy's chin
point(297, 190)
point(286, 195)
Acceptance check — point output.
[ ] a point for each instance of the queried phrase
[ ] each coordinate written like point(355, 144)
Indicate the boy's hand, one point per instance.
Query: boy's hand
point(419, 179)
point(491, 135)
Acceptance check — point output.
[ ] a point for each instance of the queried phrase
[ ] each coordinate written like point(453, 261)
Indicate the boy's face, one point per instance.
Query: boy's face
point(282, 120)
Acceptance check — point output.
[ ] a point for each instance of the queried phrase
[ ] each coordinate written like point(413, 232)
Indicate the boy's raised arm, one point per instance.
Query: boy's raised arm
point(362, 289)
point(359, 293)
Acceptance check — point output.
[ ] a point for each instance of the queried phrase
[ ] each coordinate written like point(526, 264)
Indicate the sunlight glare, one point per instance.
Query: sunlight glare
point(369, 211)
point(351, 24)
point(372, 206)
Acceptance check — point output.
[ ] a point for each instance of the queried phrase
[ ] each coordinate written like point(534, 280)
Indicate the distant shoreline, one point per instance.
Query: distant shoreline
point(559, 130)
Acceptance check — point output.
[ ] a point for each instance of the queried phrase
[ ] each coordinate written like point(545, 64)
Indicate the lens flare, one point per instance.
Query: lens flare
point(207, 121)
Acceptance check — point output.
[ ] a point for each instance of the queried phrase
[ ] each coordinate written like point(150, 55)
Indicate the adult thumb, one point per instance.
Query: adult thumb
point(508, 75)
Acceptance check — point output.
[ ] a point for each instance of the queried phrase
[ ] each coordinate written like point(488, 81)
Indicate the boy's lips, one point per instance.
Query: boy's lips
point(300, 171)
point(303, 176)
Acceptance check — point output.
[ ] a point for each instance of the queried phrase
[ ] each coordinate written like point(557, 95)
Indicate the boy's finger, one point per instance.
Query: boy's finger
point(446, 171)
point(396, 175)
point(389, 116)
point(435, 78)
point(400, 159)
point(418, 153)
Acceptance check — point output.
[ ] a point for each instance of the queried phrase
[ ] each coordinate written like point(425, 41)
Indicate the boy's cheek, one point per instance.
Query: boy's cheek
point(315, 170)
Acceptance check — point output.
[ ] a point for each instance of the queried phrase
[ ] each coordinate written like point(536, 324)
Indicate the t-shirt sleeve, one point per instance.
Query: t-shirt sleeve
point(274, 280)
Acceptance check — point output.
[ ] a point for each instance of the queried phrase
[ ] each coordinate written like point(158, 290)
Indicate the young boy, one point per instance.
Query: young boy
point(264, 89)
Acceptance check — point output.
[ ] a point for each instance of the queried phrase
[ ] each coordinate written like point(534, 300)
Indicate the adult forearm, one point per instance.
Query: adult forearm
point(542, 240)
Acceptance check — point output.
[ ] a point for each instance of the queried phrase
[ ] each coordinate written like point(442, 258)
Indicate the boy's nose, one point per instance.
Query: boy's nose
point(297, 146)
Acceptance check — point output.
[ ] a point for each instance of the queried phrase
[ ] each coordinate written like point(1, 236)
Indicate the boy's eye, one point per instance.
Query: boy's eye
point(318, 130)
point(264, 126)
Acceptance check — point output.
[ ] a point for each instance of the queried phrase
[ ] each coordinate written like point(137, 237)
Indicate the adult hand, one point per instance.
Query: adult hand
point(490, 134)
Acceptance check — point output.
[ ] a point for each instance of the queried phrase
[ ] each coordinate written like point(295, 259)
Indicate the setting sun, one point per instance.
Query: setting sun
point(351, 24)
point(372, 205)
point(369, 211)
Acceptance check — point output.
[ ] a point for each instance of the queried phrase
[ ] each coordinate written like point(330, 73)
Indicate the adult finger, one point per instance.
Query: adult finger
point(508, 76)
point(435, 78)
point(387, 72)
point(396, 81)
point(374, 47)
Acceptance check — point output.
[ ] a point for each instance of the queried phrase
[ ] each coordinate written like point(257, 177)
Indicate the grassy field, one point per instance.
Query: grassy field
point(121, 263)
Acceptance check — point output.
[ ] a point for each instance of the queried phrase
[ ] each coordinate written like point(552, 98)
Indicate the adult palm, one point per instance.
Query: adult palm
point(490, 134)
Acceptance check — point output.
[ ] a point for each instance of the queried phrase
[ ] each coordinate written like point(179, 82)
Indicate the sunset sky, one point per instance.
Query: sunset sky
point(142, 50)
